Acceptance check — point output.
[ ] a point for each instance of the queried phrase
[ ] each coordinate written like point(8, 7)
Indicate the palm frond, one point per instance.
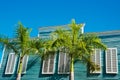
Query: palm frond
point(22, 35)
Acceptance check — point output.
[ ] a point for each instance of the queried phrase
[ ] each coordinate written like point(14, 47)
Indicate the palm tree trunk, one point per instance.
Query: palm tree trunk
point(71, 69)
point(19, 70)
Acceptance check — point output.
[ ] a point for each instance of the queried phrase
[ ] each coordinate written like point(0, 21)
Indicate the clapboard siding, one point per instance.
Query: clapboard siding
point(34, 66)
point(4, 76)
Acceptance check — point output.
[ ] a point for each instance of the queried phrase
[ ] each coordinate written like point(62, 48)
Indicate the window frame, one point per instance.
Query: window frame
point(10, 63)
point(48, 72)
point(65, 62)
point(112, 72)
point(22, 64)
point(95, 60)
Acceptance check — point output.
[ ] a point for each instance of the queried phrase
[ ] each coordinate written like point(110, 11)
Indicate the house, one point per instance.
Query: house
point(56, 67)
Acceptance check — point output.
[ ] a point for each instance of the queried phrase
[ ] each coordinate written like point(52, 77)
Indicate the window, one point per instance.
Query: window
point(96, 58)
point(48, 65)
point(64, 63)
point(11, 63)
point(111, 60)
point(24, 64)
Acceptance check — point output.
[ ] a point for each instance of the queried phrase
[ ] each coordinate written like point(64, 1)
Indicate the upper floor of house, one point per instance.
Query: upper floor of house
point(56, 67)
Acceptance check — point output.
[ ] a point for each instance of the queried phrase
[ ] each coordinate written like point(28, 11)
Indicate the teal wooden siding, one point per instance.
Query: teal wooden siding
point(34, 66)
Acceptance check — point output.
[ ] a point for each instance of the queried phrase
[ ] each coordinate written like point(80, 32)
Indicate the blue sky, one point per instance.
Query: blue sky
point(98, 15)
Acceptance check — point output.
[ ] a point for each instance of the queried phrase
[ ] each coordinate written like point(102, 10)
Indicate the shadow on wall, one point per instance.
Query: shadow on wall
point(32, 62)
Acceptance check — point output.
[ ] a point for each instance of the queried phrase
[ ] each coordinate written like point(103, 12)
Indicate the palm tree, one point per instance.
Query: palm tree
point(78, 45)
point(22, 45)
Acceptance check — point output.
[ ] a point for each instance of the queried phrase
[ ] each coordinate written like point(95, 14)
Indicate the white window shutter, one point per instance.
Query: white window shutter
point(108, 61)
point(61, 63)
point(67, 64)
point(114, 60)
point(64, 63)
point(51, 64)
point(24, 64)
point(11, 63)
point(45, 66)
point(48, 65)
point(111, 60)
point(96, 58)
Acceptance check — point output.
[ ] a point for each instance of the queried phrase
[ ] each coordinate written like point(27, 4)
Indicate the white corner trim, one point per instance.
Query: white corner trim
point(82, 29)
point(3, 52)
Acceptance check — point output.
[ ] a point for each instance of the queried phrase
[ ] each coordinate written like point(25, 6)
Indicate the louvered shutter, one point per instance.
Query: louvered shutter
point(24, 64)
point(11, 63)
point(111, 60)
point(108, 61)
point(51, 64)
point(48, 65)
point(96, 58)
point(63, 64)
point(67, 64)
point(114, 61)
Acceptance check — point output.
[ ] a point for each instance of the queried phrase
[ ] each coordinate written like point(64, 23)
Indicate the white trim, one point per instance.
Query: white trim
point(111, 72)
point(48, 70)
point(95, 60)
point(82, 28)
point(10, 66)
point(65, 62)
point(3, 52)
